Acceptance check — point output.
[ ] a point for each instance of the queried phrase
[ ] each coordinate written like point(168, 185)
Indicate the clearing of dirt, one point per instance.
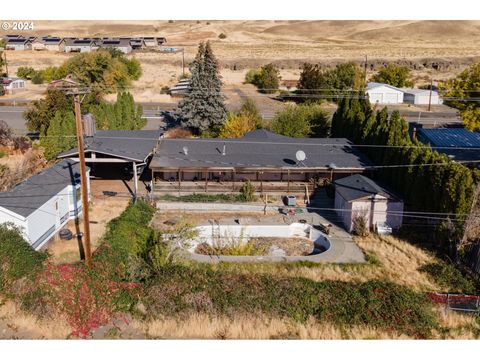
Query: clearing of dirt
point(430, 48)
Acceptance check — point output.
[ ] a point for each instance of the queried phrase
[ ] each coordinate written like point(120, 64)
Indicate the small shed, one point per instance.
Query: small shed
point(43, 204)
point(420, 97)
point(384, 94)
point(357, 195)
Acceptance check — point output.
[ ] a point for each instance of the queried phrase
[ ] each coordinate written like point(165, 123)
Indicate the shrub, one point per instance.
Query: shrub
point(178, 133)
point(449, 277)
point(222, 36)
point(247, 191)
point(21, 143)
point(37, 78)
point(126, 237)
point(26, 72)
point(251, 76)
point(359, 221)
point(5, 133)
point(17, 258)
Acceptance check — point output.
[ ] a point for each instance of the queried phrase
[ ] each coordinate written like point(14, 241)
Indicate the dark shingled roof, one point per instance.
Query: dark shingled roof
point(134, 145)
point(258, 149)
point(358, 187)
point(31, 194)
point(450, 139)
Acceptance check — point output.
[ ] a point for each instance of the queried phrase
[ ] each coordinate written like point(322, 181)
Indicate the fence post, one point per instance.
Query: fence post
point(447, 304)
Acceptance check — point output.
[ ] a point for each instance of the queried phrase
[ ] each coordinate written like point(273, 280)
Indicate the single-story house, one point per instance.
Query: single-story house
point(259, 156)
point(161, 40)
point(458, 144)
point(420, 97)
point(117, 154)
point(80, 45)
point(49, 43)
point(43, 204)
point(12, 36)
point(122, 45)
point(379, 93)
point(357, 195)
point(137, 43)
point(18, 44)
point(13, 84)
point(150, 41)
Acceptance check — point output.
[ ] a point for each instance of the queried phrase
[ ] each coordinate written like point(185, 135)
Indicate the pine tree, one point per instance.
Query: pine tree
point(203, 109)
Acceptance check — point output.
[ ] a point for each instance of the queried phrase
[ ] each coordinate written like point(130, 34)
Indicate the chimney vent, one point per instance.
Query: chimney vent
point(224, 149)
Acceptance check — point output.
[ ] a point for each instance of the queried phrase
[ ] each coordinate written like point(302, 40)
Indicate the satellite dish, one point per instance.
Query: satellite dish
point(300, 155)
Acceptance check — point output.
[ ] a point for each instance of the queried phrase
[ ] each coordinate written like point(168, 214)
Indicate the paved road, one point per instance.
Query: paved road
point(12, 115)
point(442, 115)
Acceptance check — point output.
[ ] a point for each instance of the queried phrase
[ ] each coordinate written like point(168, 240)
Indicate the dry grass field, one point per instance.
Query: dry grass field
point(451, 44)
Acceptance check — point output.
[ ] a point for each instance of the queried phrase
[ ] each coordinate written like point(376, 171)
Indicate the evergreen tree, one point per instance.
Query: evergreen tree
point(60, 135)
point(203, 109)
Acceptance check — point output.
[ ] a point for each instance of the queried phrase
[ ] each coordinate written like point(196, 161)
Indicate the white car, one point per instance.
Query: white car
point(383, 228)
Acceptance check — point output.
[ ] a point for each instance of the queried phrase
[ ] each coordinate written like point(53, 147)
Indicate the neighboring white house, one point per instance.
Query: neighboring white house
point(18, 44)
point(150, 41)
point(420, 97)
point(122, 45)
point(41, 205)
point(358, 195)
point(13, 85)
point(80, 45)
point(379, 93)
point(49, 43)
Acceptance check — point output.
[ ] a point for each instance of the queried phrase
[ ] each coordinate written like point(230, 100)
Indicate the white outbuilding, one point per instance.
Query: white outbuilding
point(43, 204)
point(379, 93)
point(357, 195)
point(420, 97)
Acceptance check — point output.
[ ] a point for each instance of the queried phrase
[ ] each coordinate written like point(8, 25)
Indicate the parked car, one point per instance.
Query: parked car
point(383, 228)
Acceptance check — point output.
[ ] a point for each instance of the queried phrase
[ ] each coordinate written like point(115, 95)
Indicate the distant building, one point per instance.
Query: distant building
point(13, 84)
point(358, 195)
point(122, 45)
point(420, 97)
point(43, 204)
point(289, 85)
point(379, 93)
point(80, 45)
point(49, 43)
point(150, 41)
point(457, 143)
point(18, 44)
point(137, 43)
point(182, 88)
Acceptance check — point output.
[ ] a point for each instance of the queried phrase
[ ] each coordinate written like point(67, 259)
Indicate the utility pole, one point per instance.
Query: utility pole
point(83, 179)
point(6, 64)
point(430, 97)
point(365, 72)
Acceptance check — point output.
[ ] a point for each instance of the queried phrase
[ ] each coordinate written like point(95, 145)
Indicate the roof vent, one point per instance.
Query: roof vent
point(224, 150)
point(185, 150)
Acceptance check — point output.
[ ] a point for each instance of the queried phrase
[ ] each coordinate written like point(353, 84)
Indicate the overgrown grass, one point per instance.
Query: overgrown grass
point(204, 198)
point(179, 290)
point(449, 277)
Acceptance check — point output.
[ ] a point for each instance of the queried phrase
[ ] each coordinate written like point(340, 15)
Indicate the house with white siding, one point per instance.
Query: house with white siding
point(48, 43)
point(80, 45)
point(18, 44)
point(122, 45)
point(357, 195)
point(379, 93)
point(44, 203)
